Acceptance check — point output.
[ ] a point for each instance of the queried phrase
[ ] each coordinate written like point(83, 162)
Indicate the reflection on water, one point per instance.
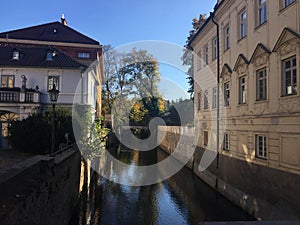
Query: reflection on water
point(182, 199)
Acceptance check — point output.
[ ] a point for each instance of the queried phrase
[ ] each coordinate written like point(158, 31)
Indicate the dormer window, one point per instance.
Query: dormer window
point(49, 55)
point(16, 55)
point(83, 55)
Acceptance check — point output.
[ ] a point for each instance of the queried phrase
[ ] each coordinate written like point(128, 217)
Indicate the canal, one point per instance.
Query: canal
point(182, 199)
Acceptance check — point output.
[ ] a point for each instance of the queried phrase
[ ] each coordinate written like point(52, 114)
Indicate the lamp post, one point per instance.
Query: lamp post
point(53, 96)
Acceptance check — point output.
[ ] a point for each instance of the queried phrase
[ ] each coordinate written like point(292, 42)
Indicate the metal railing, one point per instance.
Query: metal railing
point(7, 96)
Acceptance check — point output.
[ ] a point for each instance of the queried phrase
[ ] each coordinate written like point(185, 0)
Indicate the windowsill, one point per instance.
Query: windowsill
point(288, 6)
point(242, 104)
point(261, 25)
point(226, 150)
point(261, 101)
point(225, 50)
point(288, 96)
point(260, 158)
point(242, 38)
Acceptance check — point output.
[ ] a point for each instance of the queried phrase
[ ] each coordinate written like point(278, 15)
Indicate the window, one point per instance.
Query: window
point(206, 54)
point(261, 84)
point(227, 37)
point(49, 55)
point(262, 12)
point(16, 55)
point(205, 138)
point(261, 146)
point(226, 94)
point(242, 90)
point(7, 81)
point(4, 129)
point(226, 143)
point(199, 101)
point(199, 61)
point(84, 55)
point(214, 99)
point(243, 24)
point(289, 77)
point(214, 48)
point(285, 3)
point(53, 80)
point(206, 99)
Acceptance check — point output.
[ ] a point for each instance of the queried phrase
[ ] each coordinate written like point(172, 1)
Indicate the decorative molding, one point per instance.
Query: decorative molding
point(261, 60)
point(288, 47)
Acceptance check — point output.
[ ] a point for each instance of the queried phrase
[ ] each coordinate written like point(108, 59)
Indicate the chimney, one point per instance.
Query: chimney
point(63, 20)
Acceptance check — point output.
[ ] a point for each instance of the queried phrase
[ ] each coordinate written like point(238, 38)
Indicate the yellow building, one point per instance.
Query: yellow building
point(259, 44)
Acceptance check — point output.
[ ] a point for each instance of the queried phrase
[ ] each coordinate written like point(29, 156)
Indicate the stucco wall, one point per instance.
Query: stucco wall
point(40, 190)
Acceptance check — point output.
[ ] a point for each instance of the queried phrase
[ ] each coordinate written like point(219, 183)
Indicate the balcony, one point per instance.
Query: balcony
point(15, 95)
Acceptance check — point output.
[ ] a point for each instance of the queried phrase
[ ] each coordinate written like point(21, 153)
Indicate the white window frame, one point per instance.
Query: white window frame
point(226, 142)
point(227, 94)
point(56, 81)
point(214, 48)
point(261, 146)
point(199, 100)
point(214, 97)
point(261, 84)
point(205, 99)
point(83, 55)
point(243, 24)
point(289, 73)
point(206, 54)
point(199, 61)
point(261, 11)
point(7, 81)
point(243, 89)
point(226, 37)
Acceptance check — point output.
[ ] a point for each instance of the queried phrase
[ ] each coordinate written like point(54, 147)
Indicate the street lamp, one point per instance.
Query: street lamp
point(53, 96)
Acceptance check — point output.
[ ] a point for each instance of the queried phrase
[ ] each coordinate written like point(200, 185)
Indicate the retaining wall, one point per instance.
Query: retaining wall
point(40, 190)
point(264, 192)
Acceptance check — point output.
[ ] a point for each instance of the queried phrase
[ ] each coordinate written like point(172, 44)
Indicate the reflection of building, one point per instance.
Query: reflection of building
point(260, 56)
point(33, 59)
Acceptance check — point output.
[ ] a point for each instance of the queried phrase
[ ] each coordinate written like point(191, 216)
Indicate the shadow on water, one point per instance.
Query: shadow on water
point(182, 199)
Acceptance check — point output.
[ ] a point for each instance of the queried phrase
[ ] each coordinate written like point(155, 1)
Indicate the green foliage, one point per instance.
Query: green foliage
point(33, 134)
point(90, 134)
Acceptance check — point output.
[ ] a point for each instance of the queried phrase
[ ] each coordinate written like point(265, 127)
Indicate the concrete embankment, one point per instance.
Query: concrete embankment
point(40, 190)
point(265, 193)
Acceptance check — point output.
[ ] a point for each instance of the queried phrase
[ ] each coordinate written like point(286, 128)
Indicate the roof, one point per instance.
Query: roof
point(33, 56)
point(52, 32)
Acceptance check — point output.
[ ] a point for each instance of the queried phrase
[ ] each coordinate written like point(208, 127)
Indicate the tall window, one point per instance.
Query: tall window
point(214, 97)
point(262, 12)
point(285, 3)
point(226, 94)
point(261, 84)
point(226, 143)
point(53, 80)
point(206, 99)
point(205, 138)
point(261, 146)
point(242, 90)
point(214, 48)
point(199, 101)
point(206, 54)
point(227, 37)
point(199, 61)
point(243, 24)
point(7, 81)
point(289, 76)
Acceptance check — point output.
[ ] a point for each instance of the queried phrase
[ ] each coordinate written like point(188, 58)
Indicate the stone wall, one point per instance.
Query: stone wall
point(41, 190)
point(265, 193)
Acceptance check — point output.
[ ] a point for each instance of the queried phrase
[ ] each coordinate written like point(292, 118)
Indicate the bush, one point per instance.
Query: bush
point(33, 134)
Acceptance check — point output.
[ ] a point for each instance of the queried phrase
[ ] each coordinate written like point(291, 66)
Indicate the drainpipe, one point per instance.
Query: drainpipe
point(218, 95)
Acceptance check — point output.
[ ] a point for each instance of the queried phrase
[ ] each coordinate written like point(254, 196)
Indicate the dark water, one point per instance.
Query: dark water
point(182, 199)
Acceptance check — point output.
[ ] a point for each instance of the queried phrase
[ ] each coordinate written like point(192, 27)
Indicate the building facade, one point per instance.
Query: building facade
point(259, 44)
point(34, 59)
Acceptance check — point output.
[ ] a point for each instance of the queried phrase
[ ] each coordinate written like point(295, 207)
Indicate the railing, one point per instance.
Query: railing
point(15, 96)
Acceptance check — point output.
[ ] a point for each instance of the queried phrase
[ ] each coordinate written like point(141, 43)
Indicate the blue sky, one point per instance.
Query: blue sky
point(115, 22)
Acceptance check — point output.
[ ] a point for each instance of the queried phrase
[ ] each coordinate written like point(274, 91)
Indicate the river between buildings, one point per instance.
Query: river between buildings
point(182, 199)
